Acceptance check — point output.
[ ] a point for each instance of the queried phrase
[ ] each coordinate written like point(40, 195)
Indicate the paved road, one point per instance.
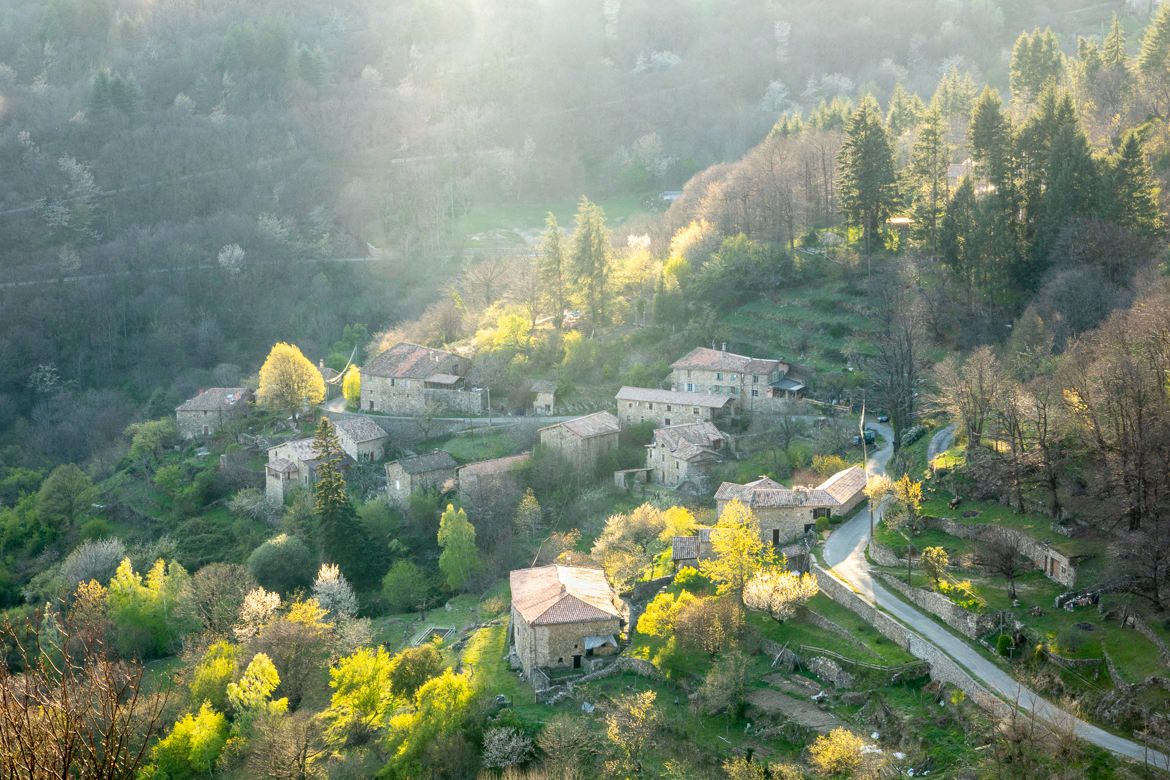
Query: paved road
point(845, 555)
point(940, 442)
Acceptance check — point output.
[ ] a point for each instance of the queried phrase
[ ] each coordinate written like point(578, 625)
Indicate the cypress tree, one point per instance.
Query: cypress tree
point(342, 538)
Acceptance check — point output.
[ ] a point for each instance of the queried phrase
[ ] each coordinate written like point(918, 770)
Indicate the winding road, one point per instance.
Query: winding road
point(845, 555)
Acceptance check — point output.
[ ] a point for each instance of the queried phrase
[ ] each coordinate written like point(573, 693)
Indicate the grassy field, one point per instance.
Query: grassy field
point(475, 446)
point(507, 224)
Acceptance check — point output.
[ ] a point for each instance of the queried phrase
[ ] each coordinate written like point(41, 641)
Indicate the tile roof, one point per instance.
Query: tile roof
point(720, 360)
point(359, 429)
point(590, 425)
point(443, 379)
point(282, 466)
point(438, 460)
point(684, 547)
point(215, 399)
point(672, 397)
point(413, 362)
point(548, 595)
point(691, 441)
point(835, 491)
point(300, 449)
point(495, 466)
point(844, 485)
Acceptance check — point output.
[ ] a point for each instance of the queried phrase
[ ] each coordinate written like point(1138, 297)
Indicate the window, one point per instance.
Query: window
point(651, 405)
point(775, 537)
point(755, 379)
point(755, 393)
point(392, 382)
point(731, 377)
point(668, 407)
point(406, 383)
point(821, 512)
point(734, 390)
point(666, 422)
point(690, 387)
point(716, 389)
point(694, 410)
point(718, 376)
point(371, 404)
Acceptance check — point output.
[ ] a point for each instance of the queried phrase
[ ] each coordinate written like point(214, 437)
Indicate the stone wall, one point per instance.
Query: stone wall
point(378, 395)
point(1056, 565)
point(1143, 629)
point(966, 623)
point(884, 556)
point(942, 667)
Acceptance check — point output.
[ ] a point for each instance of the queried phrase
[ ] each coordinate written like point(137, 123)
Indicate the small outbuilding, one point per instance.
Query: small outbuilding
point(584, 440)
point(361, 438)
point(211, 410)
point(561, 616)
point(419, 472)
point(544, 399)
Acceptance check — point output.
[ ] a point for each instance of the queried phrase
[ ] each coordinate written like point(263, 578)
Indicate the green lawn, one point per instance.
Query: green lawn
point(474, 446)
point(500, 221)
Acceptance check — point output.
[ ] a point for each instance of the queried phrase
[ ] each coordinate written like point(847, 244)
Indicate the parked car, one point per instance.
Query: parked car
point(870, 438)
point(883, 418)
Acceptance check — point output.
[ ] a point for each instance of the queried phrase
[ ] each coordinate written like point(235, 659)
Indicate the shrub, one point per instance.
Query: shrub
point(836, 520)
point(1004, 645)
point(92, 560)
point(828, 465)
point(822, 524)
point(691, 579)
point(282, 563)
point(912, 434)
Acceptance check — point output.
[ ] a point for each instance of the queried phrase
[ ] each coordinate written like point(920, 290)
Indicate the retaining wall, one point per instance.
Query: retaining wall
point(966, 623)
point(1057, 566)
point(942, 667)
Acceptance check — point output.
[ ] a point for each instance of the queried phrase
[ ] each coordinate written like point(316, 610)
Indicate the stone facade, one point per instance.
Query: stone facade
point(583, 441)
point(786, 514)
point(665, 408)
point(682, 456)
point(496, 474)
point(544, 392)
point(420, 472)
point(360, 437)
point(207, 413)
point(562, 616)
point(406, 378)
point(290, 464)
point(753, 382)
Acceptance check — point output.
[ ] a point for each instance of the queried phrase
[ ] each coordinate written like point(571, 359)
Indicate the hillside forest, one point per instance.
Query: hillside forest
point(960, 225)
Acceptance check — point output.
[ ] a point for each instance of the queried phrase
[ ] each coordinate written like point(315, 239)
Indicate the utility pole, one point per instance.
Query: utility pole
point(865, 458)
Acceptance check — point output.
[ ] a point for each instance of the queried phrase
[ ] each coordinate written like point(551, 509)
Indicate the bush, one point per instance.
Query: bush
point(691, 580)
point(912, 434)
point(822, 524)
point(1070, 640)
point(282, 563)
point(836, 520)
point(828, 465)
point(1004, 645)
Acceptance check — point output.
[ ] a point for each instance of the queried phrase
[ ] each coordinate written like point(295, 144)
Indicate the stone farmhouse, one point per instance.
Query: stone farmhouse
point(562, 616)
point(544, 393)
point(689, 550)
point(406, 377)
point(419, 472)
point(361, 438)
point(665, 408)
point(491, 475)
point(755, 383)
point(583, 441)
point(786, 514)
point(681, 456)
point(208, 412)
point(290, 464)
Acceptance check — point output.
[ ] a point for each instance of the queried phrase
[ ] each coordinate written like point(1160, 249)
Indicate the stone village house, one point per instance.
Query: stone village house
point(665, 408)
point(208, 412)
point(584, 440)
point(406, 377)
point(290, 464)
point(757, 384)
point(786, 514)
point(419, 472)
point(361, 438)
point(681, 456)
point(544, 399)
point(562, 616)
point(490, 475)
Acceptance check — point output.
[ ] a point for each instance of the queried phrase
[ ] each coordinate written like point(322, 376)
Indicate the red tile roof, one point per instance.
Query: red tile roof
point(653, 395)
point(590, 425)
point(410, 361)
point(706, 359)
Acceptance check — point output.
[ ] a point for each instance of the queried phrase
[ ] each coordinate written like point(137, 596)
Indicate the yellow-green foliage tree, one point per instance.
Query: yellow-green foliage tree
point(289, 381)
point(192, 747)
point(213, 674)
point(351, 387)
point(739, 550)
point(147, 623)
point(837, 754)
point(428, 740)
point(660, 614)
point(935, 561)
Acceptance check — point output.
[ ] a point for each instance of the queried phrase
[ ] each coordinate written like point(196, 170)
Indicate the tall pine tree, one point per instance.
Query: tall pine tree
point(590, 258)
point(551, 269)
point(1129, 196)
point(341, 538)
point(929, 159)
point(868, 183)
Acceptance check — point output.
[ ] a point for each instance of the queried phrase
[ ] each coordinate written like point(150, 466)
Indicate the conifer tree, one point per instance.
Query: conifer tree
point(551, 269)
point(589, 258)
point(1153, 62)
point(868, 184)
point(1129, 196)
point(906, 109)
point(341, 537)
point(929, 160)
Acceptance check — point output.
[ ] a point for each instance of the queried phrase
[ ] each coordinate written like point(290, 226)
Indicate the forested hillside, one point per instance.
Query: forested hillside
point(941, 213)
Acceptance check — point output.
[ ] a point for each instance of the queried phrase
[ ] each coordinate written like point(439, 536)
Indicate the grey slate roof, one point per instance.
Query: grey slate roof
point(590, 425)
point(215, 399)
point(438, 460)
point(410, 361)
point(653, 395)
point(360, 429)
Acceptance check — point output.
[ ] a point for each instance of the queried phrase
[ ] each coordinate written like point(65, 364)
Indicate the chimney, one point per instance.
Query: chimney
point(724, 347)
